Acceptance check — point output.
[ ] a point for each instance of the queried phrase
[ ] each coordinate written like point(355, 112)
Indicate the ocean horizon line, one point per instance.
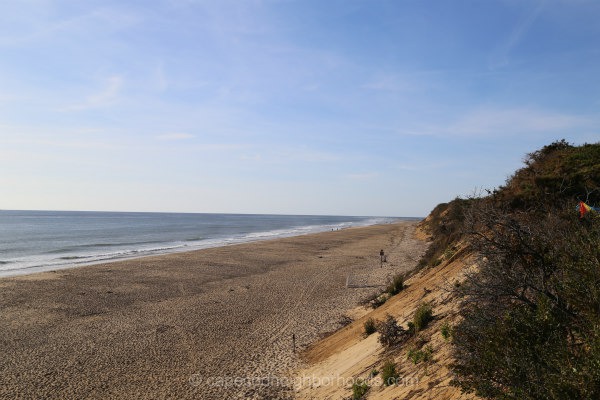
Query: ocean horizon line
point(212, 213)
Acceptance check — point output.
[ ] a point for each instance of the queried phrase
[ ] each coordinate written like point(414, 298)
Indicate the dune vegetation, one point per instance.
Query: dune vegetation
point(528, 325)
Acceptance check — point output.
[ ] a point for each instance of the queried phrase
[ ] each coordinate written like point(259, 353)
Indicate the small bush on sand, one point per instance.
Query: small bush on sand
point(359, 389)
point(420, 355)
point(396, 285)
point(389, 331)
point(389, 374)
point(423, 315)
point(370, 326)
point(446, 330)
point(411, 328)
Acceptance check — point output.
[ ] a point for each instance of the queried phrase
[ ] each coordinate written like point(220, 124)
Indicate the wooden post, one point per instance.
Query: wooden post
point(381, 255)
point(294, 342)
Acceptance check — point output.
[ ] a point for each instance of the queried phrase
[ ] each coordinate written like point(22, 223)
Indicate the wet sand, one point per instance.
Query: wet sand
point(210, 324)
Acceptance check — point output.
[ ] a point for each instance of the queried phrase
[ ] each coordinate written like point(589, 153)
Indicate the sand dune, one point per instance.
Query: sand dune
point(341, 359)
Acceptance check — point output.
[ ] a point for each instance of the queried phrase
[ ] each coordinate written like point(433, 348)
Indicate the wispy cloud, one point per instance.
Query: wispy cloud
point(161, 82)
point(288, 155)
point(106, 96)
point(497, 122)
point(364, 176)
point(252, 157)
point(390, 83)
point(173, 136)
point(493, 122)
point(501, 56)
point(34, 27)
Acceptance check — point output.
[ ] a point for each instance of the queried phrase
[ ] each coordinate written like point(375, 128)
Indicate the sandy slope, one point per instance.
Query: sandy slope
point(186, 325)
point(333, 364)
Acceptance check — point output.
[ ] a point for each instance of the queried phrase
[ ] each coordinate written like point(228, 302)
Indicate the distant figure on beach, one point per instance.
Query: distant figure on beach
point(381, 257)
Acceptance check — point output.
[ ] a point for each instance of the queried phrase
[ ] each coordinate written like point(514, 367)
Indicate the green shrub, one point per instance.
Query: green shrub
point(446, 330)
point(379, 300)
point(370, 326)
point(411, 328)
point(446, 226)
point(389, 374)
point(450, 252)
point(396, 285)
point(423, 315)
point(389, 331)
point(420, 355)
point(529, 325)
point(359, 389)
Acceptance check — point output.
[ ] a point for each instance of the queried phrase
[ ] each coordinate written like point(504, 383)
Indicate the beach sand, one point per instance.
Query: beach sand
point(211, 324)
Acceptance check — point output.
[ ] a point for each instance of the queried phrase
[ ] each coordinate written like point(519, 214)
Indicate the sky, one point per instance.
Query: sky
point(338, 107)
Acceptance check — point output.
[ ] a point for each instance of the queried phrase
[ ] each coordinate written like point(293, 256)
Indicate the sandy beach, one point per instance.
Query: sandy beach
point(210, 324)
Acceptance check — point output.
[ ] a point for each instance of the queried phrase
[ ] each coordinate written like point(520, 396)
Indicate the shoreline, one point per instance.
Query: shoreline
point(172, 325)
point(175, 247)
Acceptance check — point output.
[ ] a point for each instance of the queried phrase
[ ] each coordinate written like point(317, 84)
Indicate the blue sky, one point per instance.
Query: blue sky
point(359, 107)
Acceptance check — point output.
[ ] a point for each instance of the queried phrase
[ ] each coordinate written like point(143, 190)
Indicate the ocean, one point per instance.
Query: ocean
point(35, 241)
